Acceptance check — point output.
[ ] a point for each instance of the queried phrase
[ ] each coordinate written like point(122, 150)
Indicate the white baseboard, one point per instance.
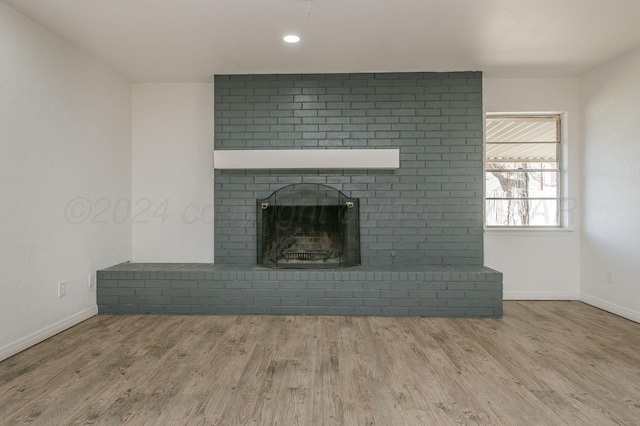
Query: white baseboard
point(611, 307)
point(51, 330)
point(538, 295)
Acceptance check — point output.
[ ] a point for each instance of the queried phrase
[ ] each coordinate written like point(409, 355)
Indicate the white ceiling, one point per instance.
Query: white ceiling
point(190, 40)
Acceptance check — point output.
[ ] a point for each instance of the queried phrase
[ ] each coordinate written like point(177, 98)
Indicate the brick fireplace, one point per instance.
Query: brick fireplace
point(421, 226)
point(428, 212)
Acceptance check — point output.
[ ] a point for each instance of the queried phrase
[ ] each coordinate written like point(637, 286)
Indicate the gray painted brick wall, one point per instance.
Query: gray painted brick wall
point(428, 212)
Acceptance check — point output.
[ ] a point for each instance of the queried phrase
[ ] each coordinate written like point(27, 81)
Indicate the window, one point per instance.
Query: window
point(522, 170)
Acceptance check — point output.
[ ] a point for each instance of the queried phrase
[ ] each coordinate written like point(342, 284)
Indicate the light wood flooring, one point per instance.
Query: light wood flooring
point(544, 363)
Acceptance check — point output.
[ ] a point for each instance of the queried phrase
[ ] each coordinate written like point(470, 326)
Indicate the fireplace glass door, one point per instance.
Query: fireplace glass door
point(308, 226)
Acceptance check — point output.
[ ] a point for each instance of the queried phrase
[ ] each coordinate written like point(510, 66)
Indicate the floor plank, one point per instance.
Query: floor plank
point(543, 363)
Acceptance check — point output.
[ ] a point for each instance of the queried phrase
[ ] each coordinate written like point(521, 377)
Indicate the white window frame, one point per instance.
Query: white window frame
point(559, 170)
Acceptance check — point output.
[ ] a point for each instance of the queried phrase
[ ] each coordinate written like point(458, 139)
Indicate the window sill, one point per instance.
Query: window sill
point(530, 232)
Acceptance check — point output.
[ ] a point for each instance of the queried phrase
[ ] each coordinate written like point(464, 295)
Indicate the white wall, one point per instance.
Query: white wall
point(610, 102)
point(173, 172)
point(540, 264)
point(64, 135)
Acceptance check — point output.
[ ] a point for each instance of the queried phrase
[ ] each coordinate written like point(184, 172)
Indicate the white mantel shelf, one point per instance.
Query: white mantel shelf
point(272, 159)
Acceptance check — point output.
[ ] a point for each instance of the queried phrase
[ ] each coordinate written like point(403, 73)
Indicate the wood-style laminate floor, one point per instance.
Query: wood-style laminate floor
point(544, 363)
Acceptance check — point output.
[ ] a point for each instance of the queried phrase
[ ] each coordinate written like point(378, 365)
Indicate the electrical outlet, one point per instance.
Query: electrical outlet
point(610, 277)
point(62, 288)
point(91, 281)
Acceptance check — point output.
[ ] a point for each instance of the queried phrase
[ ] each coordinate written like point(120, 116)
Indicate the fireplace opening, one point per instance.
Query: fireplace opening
point(308, 226)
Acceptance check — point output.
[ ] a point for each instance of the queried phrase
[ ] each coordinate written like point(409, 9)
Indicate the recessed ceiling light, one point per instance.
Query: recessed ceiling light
point(291, 38)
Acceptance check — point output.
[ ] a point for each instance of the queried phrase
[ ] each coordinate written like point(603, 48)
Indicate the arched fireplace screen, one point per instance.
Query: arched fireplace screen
point(308, 226)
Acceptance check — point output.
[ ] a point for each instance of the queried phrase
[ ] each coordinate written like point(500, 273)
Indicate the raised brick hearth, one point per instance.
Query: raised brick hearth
point(443, 291)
